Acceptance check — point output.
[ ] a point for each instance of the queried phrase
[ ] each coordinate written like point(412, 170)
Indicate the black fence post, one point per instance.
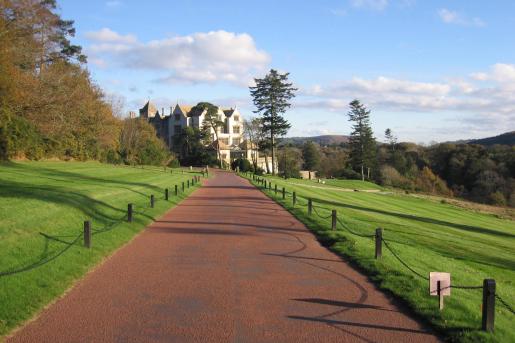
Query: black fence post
point(188, 182)
point(294, 198)
point(152, 201)
point(183, 186)
point(176, 190)
point(275, 189)
point(166, 194)
point(333, 220)
point(284, 193)
point(379, 242)
point(87, 234)
point(488, 305)
point(129, 213)
point(310, 206)
point(270, 185)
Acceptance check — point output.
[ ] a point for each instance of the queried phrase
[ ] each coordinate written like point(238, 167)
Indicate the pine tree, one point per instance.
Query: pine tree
point(271, 96)
point(362, 142)
point(390, 138)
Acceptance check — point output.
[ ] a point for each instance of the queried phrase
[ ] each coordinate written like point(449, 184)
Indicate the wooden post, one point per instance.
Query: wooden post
point(488, 305)
point(152, 201)
point(176, 190)
point(87, 234)
point(284, 193)
point(275, 189)
point(129, 213)
point(379, 242)
point(294, 198)
point(310, 206)
point(166, 194)
point(333, 220)
point(440, 294)
point(188, 183)
point(183, 186)
point(270, 185)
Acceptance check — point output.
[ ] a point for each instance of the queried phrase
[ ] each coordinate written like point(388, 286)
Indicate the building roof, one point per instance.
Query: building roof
point(184, 108)
point(148, 109)
point(229, 112)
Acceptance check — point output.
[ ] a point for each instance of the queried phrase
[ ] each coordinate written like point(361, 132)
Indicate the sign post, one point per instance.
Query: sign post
point(440, 286)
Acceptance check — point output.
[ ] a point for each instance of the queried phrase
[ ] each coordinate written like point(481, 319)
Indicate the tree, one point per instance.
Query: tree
point(271, 96)
point(290, 160)
point(311, 156)
point(212, 123)
point(392, 140)
point(252, 132)
point(362, 142)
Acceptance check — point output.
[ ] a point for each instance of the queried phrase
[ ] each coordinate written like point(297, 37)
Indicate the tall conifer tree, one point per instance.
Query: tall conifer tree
point(271, 96)
point(362, 142)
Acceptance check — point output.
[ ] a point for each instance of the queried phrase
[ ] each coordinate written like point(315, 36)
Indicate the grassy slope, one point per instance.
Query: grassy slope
point(55, 198)
point(429, 236)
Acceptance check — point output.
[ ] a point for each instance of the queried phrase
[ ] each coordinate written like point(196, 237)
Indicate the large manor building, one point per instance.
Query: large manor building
point(230, 136)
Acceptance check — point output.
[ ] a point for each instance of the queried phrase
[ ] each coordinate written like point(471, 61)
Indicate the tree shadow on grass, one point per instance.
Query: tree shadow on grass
point(477, 229)
point(67, 176)
point(91, 208)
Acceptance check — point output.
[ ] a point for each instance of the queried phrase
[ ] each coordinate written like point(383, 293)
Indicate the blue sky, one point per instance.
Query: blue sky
point(429, 70)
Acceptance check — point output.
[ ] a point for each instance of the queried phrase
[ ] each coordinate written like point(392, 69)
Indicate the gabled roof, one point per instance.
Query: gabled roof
point(184, 108)
point(149, 108)
point(229, 112)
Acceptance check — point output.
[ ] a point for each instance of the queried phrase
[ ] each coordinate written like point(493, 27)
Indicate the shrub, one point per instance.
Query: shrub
point(174, 163)
point(497, 198)
point(389, 176)
point(243, 164)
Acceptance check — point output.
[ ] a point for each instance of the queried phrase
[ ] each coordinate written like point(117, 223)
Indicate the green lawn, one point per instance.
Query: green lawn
point(428, 236)
point(346, 184)
point(42, 209)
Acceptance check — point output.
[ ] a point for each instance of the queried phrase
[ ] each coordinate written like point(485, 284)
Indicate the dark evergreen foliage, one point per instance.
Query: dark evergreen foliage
point(271, 96)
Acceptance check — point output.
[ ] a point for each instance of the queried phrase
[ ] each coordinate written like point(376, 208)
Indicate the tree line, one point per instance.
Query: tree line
point(49, 105)
point(484, 174)
point(474, 172)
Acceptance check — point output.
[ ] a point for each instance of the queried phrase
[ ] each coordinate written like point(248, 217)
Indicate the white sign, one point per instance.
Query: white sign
point(445, 283)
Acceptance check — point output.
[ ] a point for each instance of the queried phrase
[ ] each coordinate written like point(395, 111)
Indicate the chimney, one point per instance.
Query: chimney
point(162, 111)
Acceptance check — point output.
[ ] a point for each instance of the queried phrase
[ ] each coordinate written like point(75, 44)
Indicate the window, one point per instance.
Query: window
point(236, 141)
point(235, 129)
point(177, 117)
point(177, 129)
point(236, 118)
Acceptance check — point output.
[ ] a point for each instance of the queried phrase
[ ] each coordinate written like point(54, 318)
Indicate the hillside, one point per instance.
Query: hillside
point(507, 138)
point(321, 140)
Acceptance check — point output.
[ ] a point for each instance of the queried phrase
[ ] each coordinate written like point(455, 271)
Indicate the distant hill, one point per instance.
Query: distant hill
point(322, 140)
point(507, 138)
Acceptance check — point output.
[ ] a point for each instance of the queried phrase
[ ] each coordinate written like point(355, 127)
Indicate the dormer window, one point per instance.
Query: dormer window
point(236, 118)
point(177, 117)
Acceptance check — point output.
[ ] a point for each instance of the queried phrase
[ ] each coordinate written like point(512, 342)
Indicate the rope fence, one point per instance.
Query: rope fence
point(88, 232)
point(488, 287)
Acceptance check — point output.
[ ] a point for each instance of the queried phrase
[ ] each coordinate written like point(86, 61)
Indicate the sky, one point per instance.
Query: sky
point(431, 71)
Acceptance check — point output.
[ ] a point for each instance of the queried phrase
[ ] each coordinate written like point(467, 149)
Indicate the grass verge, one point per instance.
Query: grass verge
point(42, 209)
point(428, 236)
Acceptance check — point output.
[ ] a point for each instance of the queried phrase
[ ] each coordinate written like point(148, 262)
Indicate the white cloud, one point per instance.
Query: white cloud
point(377, 5)
point(500, 72)
point(200, 57)
point(482, 102)
point(109, 36)
point(453, 17)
